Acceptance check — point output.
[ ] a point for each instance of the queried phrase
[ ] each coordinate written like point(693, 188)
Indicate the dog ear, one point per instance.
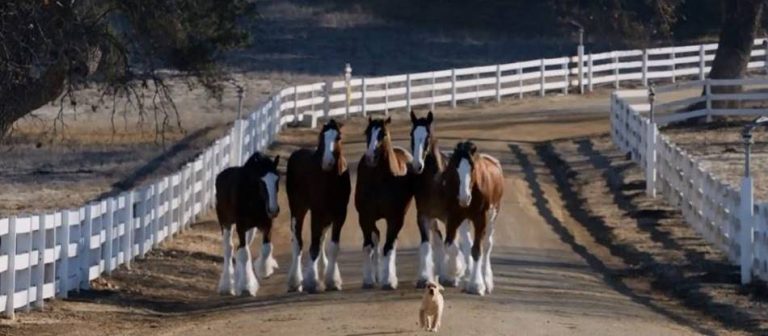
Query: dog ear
point(440, 287)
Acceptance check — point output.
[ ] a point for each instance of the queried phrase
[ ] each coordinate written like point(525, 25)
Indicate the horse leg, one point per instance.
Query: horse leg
point(476, 283)
point(487, 272)
point(465, 245)
point(323, 258)
point(227, 280)
point(426, 264)
point(295, 277)
point(332, 273)
point(266, 264)
point(387, 265)
point(246, 282)
point(454, 266)
point(311, 276)
point(367, 226)
point(438, 249)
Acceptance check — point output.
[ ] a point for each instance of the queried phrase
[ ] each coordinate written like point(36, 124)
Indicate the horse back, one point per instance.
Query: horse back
point(226, 194)
point(490, 179)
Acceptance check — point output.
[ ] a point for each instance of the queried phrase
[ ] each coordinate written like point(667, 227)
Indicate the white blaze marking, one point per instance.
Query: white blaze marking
point(419, 137)
point(270, 180)
point(465, 194)
point(373, 143)
point(330, 141)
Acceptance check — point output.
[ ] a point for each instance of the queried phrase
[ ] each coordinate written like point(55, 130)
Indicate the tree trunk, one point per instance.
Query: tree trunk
point(737, 35)
point(26, 97)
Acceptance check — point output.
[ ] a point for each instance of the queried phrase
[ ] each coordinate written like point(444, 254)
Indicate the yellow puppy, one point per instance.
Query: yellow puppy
point(431, 311)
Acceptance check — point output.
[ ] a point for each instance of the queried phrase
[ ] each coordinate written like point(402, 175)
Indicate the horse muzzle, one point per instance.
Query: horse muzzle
point(272, 213)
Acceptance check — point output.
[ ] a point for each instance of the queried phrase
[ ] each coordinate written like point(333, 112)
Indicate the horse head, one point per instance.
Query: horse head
point(261, 173)
point(460, 172)
point(421, 140)
point(329, 143)
point(377, 139)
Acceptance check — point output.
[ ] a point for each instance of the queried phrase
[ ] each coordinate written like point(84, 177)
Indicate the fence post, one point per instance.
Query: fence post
point(477, 88)
point(130, 226)
point(26, 285)
point(645, 67)
point(650, 160)
point(347, 80)
point(168, 215)
point(589, 72)
point(40, 276)
point(708, 94)
point(543, 80)
point(84, 255)
point(746, 217)
point(295, 104)
point(386, 96)
point(364, 107)
point(565, 78)
point(498, 83)
point(63, 269)
point(615, 71)
point(672, 58)
point(9, 280)
point(143, 222)
point(702, 62)
point(520, 80)
point(408, 92)
point(432, 93)
point(326, 101)
point(156, 213)
point(453, 88)
point(765, 57)
point(580, 51)
point(107, 253)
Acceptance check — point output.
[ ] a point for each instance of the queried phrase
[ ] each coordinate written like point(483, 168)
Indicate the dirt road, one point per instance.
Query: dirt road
point(545, 282)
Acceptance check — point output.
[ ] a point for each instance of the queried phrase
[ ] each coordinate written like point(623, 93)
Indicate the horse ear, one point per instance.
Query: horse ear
point(413, 117)
point(277, 161)
point(472, 148)
point(388, 121)
point(370, 119)
point(429, 117)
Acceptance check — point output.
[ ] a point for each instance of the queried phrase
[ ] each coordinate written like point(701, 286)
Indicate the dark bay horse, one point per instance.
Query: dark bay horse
point(318, 181)
point(384, 191)
point(427, 166)
point(474, 185)
point(247, 196)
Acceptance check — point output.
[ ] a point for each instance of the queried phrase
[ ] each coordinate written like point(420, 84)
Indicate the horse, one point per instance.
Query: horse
point(427, 165)
point(384, 191)
point(318, 181)
point(247, 196)
point(474, 186)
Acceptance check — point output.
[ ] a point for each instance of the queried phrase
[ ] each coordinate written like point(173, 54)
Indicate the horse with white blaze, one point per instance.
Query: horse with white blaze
point(318, 181)
point(247, 197)
point(474, 186)
point(384, 191)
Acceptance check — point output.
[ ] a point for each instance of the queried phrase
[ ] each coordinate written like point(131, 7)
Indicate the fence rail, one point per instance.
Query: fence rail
point(47, 255)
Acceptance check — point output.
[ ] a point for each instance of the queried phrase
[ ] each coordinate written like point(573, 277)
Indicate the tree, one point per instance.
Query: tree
point(48, 48)
point(740, 22)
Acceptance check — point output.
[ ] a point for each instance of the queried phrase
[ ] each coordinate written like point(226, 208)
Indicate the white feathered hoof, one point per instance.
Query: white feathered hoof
point(246, 282)
point(311, 278)
point(475, 288)
point(265, 269)
point(227, 281)
point(448, 281)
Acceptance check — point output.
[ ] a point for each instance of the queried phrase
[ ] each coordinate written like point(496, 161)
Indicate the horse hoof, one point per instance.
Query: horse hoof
point(388, 287)
point(449, 283)
point(296, 289)
point(367, 286)
point(332, 288)
point(474, 290)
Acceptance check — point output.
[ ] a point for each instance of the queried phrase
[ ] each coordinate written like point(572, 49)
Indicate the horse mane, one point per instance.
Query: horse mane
point(492, 159)
point(255, 159)
point(434, 149)
point(397, 157)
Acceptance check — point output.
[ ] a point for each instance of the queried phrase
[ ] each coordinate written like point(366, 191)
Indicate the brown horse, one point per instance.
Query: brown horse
point(427, 165)
point(474, 185)
point(383, 191)
point(318, 181)
point(247, 196)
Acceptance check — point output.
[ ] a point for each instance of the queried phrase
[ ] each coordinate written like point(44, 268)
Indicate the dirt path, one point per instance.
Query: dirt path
point(553, 274)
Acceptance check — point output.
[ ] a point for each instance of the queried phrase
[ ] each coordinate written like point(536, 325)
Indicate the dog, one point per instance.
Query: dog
point(431, 311)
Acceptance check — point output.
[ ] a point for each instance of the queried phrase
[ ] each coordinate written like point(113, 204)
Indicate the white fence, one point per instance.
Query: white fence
point(48, 255)
point(725, 216)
